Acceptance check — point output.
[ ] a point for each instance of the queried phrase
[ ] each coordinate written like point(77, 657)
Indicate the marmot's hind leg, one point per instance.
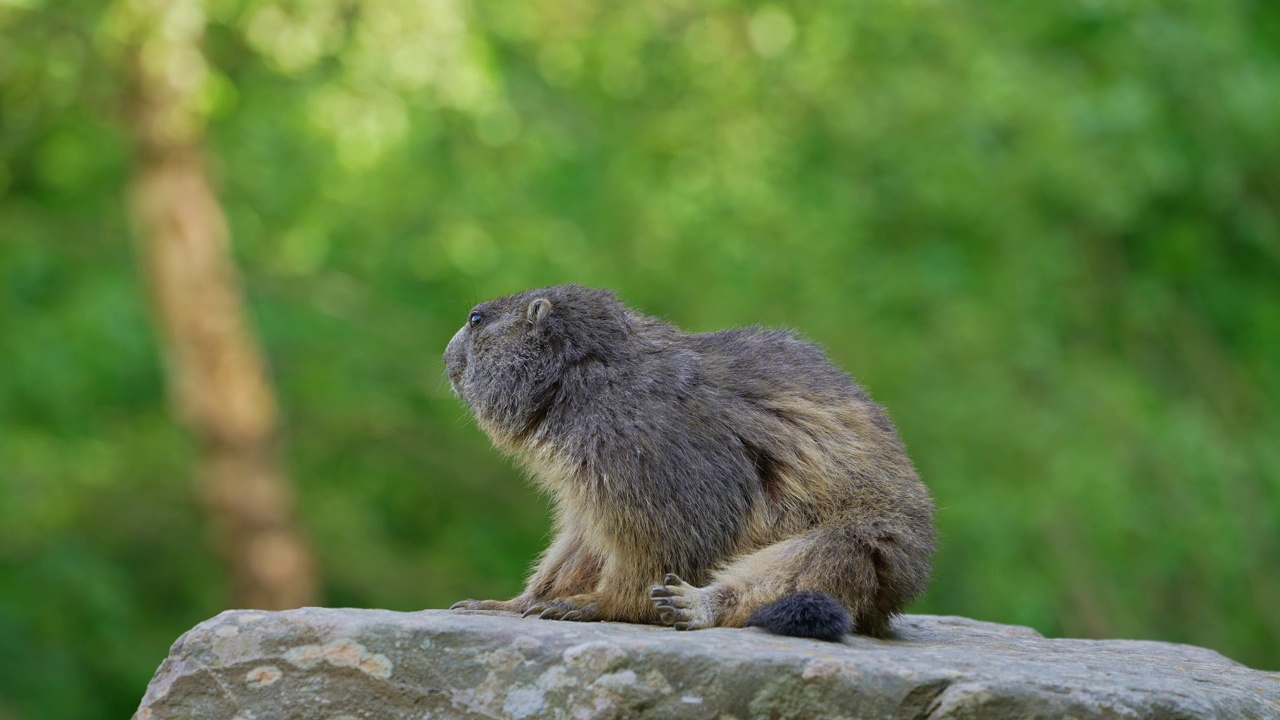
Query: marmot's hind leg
point(872, 577)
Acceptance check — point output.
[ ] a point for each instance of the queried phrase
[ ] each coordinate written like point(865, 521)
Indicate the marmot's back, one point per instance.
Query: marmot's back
point(801, 415)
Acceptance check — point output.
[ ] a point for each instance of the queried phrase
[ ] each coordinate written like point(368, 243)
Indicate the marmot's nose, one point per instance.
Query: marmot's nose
point(453, 351)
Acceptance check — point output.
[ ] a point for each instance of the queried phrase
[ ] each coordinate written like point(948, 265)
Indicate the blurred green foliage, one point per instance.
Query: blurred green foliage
point(1045, 235)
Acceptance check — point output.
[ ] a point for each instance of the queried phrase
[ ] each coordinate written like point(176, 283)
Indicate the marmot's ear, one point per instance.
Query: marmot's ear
point(538, 311)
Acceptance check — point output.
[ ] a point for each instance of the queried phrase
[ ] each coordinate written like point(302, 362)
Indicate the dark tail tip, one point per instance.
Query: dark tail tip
point(804, 614)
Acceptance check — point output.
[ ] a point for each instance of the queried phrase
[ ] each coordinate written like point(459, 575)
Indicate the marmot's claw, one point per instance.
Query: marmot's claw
point(461, 605)
point(581, 610)
point(672, 579)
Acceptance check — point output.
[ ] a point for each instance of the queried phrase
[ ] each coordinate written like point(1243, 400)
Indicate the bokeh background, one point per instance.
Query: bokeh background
point(1045, 235)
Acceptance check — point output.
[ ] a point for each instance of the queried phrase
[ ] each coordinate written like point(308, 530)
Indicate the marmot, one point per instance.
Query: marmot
point(729, 479)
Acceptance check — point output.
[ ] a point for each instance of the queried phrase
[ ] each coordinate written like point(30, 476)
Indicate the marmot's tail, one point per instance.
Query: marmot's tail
point(804, 614)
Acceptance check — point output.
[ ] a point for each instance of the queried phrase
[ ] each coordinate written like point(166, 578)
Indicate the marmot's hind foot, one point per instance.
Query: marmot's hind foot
point(683, 606)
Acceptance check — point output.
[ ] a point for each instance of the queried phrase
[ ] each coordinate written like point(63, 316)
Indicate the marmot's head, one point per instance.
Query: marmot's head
point(511, 356)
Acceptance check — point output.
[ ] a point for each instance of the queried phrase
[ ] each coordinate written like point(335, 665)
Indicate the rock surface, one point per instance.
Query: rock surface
point(347, 664)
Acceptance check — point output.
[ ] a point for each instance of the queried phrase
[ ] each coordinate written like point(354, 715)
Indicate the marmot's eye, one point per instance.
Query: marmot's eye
point(474, 319)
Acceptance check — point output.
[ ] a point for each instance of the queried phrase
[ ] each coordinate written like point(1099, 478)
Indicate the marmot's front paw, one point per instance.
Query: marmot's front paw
point(582, 608)
point(683, 606)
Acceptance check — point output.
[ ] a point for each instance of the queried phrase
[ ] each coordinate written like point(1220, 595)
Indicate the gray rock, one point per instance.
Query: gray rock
point(347, 664)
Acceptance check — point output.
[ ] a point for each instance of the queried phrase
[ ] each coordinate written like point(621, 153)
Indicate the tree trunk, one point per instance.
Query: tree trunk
point(217, 380)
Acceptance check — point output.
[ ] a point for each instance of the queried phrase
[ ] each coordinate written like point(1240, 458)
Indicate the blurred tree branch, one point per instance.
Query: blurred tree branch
point(218, 383)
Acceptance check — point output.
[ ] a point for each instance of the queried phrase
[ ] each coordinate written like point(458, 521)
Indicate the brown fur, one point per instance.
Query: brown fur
point(696, 478)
